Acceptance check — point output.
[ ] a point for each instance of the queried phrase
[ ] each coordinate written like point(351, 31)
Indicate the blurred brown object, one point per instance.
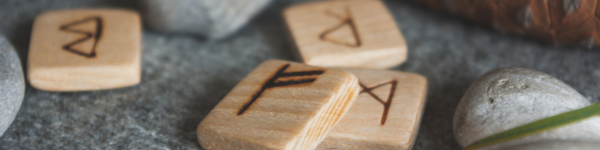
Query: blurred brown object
point(568, 22)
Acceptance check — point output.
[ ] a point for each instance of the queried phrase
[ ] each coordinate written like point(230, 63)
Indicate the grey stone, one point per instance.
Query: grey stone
point(12, 84)
point(211, 18)
point(184, 77)
point(509, 97)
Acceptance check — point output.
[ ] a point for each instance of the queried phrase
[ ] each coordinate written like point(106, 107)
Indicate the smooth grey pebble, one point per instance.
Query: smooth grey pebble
point(12, 84)
point(509, 97)
point(213, 19)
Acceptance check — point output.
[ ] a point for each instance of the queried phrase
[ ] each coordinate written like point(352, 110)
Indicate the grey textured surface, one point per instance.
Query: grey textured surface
point(209, 18)
point(12, 84)
point(509, 97)
point(183, 77)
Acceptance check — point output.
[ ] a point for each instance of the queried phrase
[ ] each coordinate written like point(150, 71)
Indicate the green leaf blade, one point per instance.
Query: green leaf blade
point(539, 126)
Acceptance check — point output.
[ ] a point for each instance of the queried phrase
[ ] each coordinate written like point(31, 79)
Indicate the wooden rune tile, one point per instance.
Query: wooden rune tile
point(279, 105)
point(346, 33)
point(386, 114)
point(85, 49)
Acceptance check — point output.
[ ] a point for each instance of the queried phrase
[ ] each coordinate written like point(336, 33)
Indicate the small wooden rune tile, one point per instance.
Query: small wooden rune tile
point(346, 33)
point(279, 105)
point(85, 49)
point(386, 114)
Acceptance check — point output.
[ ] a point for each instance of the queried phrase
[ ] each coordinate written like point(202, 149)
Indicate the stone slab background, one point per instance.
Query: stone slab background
point(184, 76)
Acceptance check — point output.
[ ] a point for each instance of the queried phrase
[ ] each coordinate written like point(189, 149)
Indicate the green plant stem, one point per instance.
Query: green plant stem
point(538, 126)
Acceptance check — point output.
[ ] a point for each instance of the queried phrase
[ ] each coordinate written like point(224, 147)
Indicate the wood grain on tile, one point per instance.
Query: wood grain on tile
point(85, 49)
point(279, 105)
point(346, 33)
point(386, 114)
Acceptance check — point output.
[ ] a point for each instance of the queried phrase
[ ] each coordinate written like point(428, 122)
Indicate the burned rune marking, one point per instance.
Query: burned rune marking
point(88, 35)
point(272, 82)
point(387, 103)
point(345, 20)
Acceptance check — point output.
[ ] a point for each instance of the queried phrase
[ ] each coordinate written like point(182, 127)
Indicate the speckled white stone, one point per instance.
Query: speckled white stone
point(509, 97)
point(12, 84)
point(211, 18)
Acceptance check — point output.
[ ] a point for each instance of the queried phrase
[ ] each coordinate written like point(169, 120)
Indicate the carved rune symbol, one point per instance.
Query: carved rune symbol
point(272, 82)
point(387, 103)
point(344, 33)
point(94, 35)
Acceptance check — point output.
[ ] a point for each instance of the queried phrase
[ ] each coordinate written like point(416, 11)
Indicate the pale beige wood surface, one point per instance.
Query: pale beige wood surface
point(345, 33)
point(85, 49)
point(296, 116)
point(367, 125)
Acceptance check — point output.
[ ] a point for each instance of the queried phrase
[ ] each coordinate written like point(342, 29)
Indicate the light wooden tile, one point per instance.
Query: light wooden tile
point(346, 33)
point(85, 49)
point(386, 114)
point(279, 105)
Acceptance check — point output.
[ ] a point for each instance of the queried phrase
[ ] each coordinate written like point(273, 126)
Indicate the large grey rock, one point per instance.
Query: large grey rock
point(509, 97)
point(211, 18)
point(12, 84)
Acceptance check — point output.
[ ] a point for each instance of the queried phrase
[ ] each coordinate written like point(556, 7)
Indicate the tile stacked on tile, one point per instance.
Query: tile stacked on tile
point(279, 105)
